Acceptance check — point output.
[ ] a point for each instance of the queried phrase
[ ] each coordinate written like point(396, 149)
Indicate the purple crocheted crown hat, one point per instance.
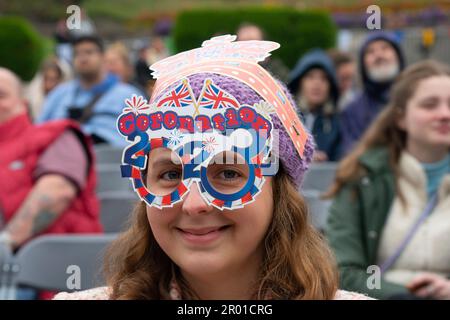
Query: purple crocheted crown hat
point(292, 163)
point(233, 67)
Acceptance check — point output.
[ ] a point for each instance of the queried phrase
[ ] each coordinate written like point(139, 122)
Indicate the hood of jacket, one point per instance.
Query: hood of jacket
point(316, 58)
point(378, 89)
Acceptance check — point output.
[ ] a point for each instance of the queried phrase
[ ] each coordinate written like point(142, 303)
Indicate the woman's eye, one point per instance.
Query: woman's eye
point(429, 104)
point(229, 174)
point(171, 175)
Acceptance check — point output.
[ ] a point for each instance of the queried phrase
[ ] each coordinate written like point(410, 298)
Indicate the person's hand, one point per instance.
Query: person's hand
point(430, 285)
point(319, 156)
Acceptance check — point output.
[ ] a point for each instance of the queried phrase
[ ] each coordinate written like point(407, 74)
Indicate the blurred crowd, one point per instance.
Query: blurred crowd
point(386, 123)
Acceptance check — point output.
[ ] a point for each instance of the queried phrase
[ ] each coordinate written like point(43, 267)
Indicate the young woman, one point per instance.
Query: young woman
point(392, 194)
point(118, 62)
point(198, 248)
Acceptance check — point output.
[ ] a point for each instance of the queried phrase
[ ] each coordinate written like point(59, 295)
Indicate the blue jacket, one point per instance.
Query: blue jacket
point(325, 128)
point(360, 112)
point(105, 111)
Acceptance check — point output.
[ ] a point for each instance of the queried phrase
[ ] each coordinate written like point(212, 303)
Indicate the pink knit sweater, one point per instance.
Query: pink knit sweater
point(102, 293)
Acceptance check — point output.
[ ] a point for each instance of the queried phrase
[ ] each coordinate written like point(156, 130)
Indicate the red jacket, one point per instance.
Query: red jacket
point(21, 144)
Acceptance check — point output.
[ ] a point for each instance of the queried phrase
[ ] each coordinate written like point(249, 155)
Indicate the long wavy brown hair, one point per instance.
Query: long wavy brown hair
point(384, 131)
point(297, 263)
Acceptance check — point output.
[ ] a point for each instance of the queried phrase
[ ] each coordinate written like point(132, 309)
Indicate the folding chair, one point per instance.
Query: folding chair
point(108, 154)
point(318, 208)
point(7, 270)
point(116, 208)
point(110, 179)
point(48, 262)
point(319, 176)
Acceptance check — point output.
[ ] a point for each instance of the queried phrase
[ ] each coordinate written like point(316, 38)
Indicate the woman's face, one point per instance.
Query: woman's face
point(51, 79)
point(314, 87)
point(115, 64)
point(427, 116)
point(201, 239)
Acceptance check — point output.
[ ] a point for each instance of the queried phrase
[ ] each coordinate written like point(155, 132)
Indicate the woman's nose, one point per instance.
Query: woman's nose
point(194, 203)
point(446, 111)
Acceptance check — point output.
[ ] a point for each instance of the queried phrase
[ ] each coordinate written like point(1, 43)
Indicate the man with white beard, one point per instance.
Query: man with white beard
point(380, 61)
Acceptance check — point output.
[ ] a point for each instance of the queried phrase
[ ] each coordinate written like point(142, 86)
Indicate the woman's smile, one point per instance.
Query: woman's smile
point(202, 236)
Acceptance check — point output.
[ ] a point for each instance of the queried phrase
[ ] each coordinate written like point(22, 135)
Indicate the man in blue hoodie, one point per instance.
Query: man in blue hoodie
point(380, 62)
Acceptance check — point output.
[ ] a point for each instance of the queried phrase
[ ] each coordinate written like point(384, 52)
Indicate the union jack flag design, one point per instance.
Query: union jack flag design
point(179, 97)
point(213, 97)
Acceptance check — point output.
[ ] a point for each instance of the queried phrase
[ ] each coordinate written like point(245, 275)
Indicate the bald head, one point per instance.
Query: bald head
point(249, 32)
point(11, 101)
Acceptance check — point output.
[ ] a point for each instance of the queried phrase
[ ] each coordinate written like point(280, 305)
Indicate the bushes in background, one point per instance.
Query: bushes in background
point(21, 47)
point(296, 31)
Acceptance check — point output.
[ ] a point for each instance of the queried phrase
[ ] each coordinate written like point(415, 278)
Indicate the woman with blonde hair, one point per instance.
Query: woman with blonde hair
point(392, 194)
point(118, 62)
point(218, 228)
